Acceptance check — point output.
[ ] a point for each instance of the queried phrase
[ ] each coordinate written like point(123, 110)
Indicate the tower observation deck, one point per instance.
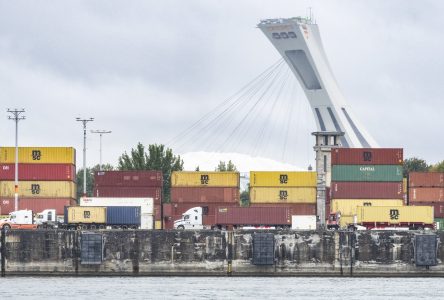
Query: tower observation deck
point(299, 42)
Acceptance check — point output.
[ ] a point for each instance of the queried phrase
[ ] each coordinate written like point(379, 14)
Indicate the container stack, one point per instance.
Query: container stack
point(201, 189)
point(46, 178)
point(365, 177)
point(131, 184)
point(427, 189)
point(296, 190)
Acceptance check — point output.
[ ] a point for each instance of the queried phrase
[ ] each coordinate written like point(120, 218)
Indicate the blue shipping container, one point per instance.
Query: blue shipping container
point(123, 215)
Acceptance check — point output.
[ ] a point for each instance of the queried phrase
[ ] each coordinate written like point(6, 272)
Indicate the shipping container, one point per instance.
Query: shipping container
point(367, 173)
point(348, 207)
point(158, 225)
point(39, 155)
point(303, 222)
point(395, 214)
point(84, 214)
point(204, 179)
point(208, 208)
point(205, 195)
point(344, 221)
point(129, 192)
point(27, 172)
point(207, 220)
point(426, 195)
point(282, 195)
point(438, 208)
point(123, 215)
point(157, 212)
point(367, 156)
point(282, 179)
point(128, 178)
point(37, 205)
point(39, 189)
point(366, 190)
point(167, 210)
point(426, 179)
point(255, 216)
point(404, 185)
point(146, 204)
point(299, 209)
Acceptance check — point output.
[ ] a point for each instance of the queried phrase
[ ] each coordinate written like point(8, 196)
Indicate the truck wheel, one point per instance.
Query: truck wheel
point(180, 227)
point(6, 227)
point(101, 226)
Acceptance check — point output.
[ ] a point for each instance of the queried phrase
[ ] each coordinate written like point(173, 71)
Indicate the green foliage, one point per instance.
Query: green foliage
point(224, 167)
point(157, 158)
point(439, 167)
point(89, 179)
point(245, 197)
point(415, 164)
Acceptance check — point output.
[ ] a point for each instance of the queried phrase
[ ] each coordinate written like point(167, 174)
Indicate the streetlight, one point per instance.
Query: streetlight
point(101, 132)
point(16, 117)
point(84, 122)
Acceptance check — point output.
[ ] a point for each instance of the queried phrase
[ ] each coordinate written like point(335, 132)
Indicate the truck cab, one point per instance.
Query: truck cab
point(191, 219)
point(47, 219)
point(333, 220)
point(20, 219)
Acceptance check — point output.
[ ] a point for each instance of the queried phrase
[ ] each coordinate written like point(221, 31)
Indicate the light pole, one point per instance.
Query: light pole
point(16, 117)
point(101, 132)
point(84, 122)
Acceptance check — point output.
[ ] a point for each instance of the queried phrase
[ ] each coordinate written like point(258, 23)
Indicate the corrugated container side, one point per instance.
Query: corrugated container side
point(123, 215)
point(146, 204)
point(39, 189)
point(404, 185)
point(205, 195)
point(158, 225)
point(228, 215)
point(282, 195)
point(426, 195)
point(367, 156)
point(7, 205)
point(128, 178)
point(367, 173)
point(87, 215)
point(157, 212)
point(395, 214)
point(203, 179)
point(282, 179)
point(344, 221)
point(208, 220)
point(438, 208)
point(426, 179)
point(39, 155)
point(167, 210)
point(209, 208)
point(366, 190)
point(129, 192)
point(348, 207)
point(299, 209)
point(29, 172)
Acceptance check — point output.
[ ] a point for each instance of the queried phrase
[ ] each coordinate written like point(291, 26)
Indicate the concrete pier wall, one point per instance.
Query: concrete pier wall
point(216, 253)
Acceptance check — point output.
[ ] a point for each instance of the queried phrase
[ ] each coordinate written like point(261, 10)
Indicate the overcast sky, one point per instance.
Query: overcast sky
point(148, 69)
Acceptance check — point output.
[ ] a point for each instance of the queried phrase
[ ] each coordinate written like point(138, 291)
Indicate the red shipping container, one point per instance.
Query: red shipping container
point(167, 210)
point(327, 195)
point(157, 212)
point(37, 205)
point(208, 208)
point(129, 192)
point(41, 172)
point(366, 190)
point(128, 178)
point(204, 195)
point(208, 220)
point(300, 209)
point(426, 179)
point(230, 215)
point(367, 156)
point(433, 194)
point(438, 208)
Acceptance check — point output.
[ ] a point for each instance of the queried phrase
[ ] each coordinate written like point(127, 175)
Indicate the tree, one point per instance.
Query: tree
point(414, 164)
point(439, 167)
point(89, 179)
point(224, 167)
point(158, 158)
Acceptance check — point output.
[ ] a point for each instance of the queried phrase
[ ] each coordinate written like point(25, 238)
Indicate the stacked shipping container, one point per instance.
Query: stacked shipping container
point(427, 189)
point(201, 189)
point(131, 184)
point(365, 177)
point(46, 178)
point(296, 190)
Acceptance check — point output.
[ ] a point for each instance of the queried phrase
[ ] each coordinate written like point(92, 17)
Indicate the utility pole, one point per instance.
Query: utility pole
point(16, 117)
point(84, 122)
point(101, 132)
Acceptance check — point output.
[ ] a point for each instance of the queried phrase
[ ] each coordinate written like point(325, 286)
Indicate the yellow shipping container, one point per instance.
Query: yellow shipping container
point(282, 195)
point(158, 225)
point(348, 207)
point(282, 178)
point(395, 214)
point(39, 155)
point(344, 221)
point(86, 214)
point(203, 179)
point(39, 189)
point(404, 185)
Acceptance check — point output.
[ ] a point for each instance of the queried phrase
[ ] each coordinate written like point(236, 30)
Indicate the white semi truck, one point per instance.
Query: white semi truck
point(25, 219)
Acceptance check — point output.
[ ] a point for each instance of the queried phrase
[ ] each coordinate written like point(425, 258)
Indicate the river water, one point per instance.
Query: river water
point(94, 288)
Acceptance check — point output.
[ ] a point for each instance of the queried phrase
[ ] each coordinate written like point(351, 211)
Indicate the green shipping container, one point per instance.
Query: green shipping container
point(366, 173)
point(439, 224)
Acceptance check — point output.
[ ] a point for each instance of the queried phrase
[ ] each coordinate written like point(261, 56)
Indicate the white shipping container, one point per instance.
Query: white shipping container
point(303, 222)
point(146, 207)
